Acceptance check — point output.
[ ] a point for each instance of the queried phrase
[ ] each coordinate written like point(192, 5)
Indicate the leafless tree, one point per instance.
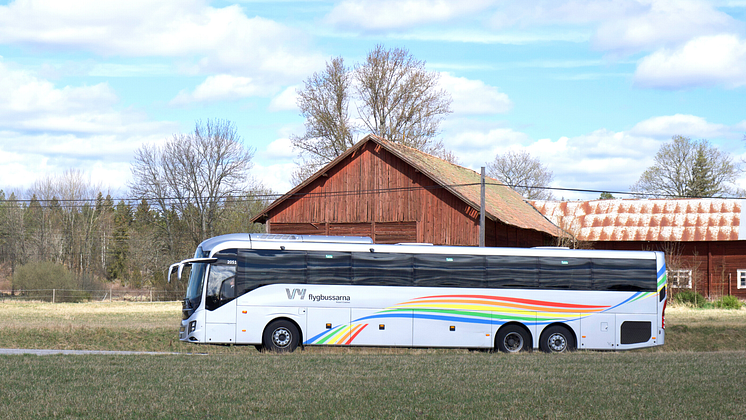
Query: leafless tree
point(522, 172)
point(394, 97)
point(400, 99)
point(324, 102)
point(686, 168)
point(193, 174)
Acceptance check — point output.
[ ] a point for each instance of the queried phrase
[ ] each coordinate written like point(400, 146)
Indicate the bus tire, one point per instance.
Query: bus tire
point(557, 339)
point(512, 339)
point(281, 336)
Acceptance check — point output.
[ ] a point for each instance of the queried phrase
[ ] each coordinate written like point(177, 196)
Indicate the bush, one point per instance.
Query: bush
point(689, 297)
point(39, 278)
point(728, 302)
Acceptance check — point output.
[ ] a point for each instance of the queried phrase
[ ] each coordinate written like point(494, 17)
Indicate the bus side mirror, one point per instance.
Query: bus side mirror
point(171, 269)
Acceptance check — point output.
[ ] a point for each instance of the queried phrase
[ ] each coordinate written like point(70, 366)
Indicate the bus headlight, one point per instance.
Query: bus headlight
point(192, 327)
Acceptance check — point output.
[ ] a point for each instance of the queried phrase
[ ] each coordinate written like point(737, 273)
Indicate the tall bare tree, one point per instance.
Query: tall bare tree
point(400, 99)
point(324, 101)
point(522, 172)
point(688, 168)
point(393, 96)
point(193, 174)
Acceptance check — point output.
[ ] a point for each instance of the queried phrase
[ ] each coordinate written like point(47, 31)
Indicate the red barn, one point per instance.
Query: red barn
point(395, 193)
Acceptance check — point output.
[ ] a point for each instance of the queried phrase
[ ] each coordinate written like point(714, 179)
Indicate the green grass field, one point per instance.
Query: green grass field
point(699, 373)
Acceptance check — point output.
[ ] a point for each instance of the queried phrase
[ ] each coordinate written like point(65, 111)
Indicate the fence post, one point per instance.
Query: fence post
point(110, 295)
point(54, 292)
point(151, 295)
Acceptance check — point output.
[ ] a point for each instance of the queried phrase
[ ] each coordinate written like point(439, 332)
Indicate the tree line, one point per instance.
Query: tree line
point(192, 187)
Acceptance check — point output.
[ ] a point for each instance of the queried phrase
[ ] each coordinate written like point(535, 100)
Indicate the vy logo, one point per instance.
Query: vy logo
point(299, 292)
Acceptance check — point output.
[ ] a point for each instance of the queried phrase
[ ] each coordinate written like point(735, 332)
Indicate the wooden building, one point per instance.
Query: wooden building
point(704, 239)
point(396, 194)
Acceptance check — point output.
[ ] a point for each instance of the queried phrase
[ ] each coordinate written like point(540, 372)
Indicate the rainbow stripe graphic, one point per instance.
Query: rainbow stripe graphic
point(479, 309)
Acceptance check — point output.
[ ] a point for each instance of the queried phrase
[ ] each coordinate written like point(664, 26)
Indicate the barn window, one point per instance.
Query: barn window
point(742, 279)
point(681, 279)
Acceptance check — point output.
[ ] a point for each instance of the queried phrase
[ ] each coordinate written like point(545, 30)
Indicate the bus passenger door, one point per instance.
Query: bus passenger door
point(374, 328)
point(327, 326)
point(598, 331)
point(221, 324)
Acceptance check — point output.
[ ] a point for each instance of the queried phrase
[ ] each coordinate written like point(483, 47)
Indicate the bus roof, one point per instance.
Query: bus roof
point(365, 244)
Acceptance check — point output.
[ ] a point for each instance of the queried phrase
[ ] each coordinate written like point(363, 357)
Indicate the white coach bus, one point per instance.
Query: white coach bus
point(281, 291)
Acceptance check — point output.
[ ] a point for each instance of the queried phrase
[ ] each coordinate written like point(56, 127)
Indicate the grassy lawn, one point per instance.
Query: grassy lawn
point(699, 373)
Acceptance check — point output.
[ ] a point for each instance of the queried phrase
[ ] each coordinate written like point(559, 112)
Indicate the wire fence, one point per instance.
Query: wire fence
point(101, 295)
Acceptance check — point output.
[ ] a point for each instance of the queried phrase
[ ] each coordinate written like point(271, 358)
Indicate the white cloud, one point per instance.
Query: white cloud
point(619, 26)
point(551, 12)
point(216, 40)
point(703, 61)
point(286, 100)
point(376, 15)
point(222, 87)
point(278, 150)
point(46, 129)
point(665, 127)
point(660, 23)
point(276, 177)
point(476, 147)
point(474, 96)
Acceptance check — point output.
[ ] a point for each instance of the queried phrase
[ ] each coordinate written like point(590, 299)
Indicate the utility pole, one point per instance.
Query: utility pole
point(481, 213)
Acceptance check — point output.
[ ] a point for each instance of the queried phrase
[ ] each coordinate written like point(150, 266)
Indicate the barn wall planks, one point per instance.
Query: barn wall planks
point(374, 193)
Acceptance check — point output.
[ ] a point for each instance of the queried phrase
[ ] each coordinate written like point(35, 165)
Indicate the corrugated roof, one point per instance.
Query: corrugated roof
point(681, 220)
point(501, 202)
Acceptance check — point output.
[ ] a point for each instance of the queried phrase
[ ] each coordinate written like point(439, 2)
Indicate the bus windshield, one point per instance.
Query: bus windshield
point(196, 280)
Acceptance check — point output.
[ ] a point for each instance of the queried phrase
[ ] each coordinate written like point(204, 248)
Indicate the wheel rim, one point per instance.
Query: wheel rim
point(281, 337)
point(557, 342)
point(513, 342)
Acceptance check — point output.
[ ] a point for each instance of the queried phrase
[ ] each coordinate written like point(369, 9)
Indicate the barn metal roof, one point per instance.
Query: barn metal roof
point(501, 202)
point(681, 220)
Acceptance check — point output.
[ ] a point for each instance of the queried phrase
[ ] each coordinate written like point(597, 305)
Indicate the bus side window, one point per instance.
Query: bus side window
point(329, 267)
point(512, 271)
point(382, 269)
point(565, 273)
point(443, 270)
point(261, 267)
point(624, 275)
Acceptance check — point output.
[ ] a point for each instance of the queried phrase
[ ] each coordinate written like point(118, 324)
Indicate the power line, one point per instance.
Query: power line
point(80, 202)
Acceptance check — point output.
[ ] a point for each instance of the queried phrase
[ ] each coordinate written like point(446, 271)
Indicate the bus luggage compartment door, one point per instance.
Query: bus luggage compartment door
point(452, 332)
point(372, 327)
point(327, 326)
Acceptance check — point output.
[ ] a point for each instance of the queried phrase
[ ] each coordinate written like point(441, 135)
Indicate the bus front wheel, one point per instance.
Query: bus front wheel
point(557, 339)
point(512, 339)
point(281, 336)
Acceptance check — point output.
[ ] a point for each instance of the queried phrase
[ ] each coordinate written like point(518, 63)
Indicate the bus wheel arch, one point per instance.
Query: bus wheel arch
point(513, 337)
point(557, 338)
point(281, 335)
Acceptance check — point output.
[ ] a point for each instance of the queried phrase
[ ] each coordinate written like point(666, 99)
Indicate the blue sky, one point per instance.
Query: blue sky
point(591, 88)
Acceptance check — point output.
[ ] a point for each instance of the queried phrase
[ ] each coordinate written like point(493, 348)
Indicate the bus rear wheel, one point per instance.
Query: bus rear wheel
point(512, 339)
point(281, 336)
point(557, 339)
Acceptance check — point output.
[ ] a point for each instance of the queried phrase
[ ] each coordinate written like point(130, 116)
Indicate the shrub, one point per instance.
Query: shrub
point(39, 278)
point(728, 302)
point(689, 297)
